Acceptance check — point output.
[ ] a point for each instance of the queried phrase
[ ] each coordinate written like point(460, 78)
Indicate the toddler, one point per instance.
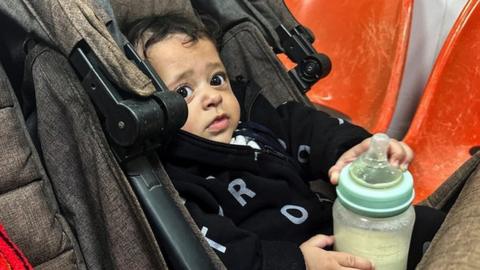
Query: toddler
point(244, 173)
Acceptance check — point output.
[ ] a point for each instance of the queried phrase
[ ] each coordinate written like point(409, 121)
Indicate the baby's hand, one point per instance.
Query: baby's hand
point(399, 155)
point(318, 258)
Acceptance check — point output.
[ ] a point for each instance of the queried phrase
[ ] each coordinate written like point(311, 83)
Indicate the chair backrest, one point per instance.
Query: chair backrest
point(366, 42)
point(445, 130)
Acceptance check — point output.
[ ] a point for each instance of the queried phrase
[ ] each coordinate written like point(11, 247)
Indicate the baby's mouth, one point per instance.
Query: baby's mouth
point(219, 124)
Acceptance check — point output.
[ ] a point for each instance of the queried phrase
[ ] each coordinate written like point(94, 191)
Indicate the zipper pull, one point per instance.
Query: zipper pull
point(256, 155)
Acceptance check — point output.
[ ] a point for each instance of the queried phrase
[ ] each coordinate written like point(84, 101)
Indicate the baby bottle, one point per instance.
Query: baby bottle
point(373, 216)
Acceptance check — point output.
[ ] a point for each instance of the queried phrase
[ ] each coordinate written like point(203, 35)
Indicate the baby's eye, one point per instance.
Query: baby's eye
point(185, 91)
point(218, 79)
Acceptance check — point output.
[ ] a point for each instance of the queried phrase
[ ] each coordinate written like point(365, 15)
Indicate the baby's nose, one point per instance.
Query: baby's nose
point(211, 99)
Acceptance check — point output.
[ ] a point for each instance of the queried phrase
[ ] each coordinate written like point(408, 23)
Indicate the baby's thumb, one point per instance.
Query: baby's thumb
point(320, 240)
point(334, 173)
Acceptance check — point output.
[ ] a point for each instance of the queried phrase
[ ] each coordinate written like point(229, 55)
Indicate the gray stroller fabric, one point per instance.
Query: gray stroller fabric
point(457, 243)
point(62, 24)
point(266, 15)
point(29, 211)
point(246, 53)
point(127, 11)
point(108, 222)
point(444, 197)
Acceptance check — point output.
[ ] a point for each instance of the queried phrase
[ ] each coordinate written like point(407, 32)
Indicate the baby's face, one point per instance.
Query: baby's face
point(194, 70)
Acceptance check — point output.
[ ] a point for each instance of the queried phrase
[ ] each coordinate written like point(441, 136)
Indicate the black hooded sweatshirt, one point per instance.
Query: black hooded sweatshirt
point(255, 207)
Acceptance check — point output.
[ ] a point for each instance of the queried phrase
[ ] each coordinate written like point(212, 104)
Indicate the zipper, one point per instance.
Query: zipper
point(272, 152)
point(269, 151)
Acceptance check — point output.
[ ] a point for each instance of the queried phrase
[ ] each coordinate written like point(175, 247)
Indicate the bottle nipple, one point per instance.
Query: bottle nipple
point(372, 168)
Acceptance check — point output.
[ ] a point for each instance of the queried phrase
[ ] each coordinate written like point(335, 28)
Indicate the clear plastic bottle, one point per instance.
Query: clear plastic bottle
point(373, 217)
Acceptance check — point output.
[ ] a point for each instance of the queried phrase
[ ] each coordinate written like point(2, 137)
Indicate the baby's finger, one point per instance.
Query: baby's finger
point(334, 173)
point(320, 240)
point(347, 260)
point(396, 153)
point(346, 158)
point(408, 156)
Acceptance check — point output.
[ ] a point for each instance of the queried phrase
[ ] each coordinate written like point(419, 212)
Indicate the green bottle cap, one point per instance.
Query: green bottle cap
point(370, 186)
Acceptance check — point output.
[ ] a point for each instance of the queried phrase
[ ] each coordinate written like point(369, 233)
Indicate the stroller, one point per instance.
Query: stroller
point(81, 115)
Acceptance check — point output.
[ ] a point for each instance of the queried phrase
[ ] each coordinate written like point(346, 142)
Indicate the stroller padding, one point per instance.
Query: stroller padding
point(29, 211)
point(109, 224)
point(265, 15)
point(127, 11)
point(457, 243)
point(246, 53)
point(63, 24)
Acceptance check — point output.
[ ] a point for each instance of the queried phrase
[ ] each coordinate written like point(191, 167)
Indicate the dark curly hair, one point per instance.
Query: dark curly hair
point(145, 32)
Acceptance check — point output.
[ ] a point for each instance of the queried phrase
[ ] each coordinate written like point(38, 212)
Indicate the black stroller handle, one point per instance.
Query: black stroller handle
point(182, 248)
point(311, 66)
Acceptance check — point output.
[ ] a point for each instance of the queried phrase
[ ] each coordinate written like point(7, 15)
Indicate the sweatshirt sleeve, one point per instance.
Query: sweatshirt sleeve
point(315, 139)
point(242, 249)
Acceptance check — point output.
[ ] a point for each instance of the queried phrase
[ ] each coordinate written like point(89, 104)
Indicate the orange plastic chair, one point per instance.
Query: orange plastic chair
point(367, 42)
point(446, 127)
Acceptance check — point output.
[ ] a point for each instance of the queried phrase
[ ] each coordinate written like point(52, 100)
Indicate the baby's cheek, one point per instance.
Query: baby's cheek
point(189, 126)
